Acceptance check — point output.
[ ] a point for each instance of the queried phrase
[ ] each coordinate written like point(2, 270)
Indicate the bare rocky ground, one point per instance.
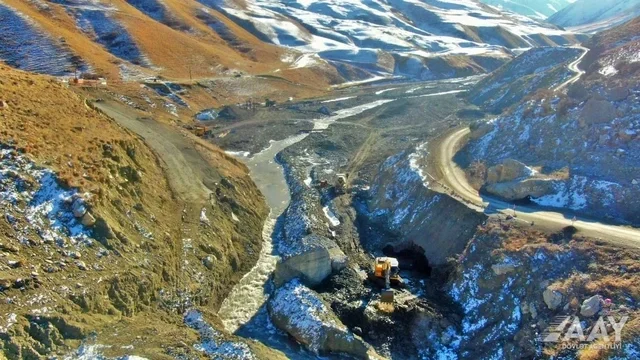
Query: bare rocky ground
point(474, 285)
point(577, 147)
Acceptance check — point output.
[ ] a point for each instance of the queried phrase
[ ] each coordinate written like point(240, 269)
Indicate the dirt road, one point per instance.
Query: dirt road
point(453, 178)
point(191, 177)
point(574, 67)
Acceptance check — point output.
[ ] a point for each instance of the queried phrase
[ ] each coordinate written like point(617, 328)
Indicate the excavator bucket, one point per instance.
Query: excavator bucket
point(386, 296)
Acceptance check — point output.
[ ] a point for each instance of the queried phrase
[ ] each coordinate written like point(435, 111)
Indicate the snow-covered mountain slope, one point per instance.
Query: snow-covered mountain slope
point(96, 22)
point(395, 36)
point(143, 37)
point(25, 45)
point(539, 9)
point(535, 69)
point(615, 52)
point(317, 43)
point(596, 15)
point(585, 144)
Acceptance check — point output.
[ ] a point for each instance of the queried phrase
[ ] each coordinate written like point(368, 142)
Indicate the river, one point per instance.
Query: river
point(242, 312)
point(250, 294)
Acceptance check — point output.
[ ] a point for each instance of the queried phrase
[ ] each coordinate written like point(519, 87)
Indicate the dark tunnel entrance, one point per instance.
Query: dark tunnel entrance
point(410, 258)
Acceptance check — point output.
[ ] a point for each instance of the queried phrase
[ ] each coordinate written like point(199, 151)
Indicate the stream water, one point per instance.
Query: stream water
point(242, 312)
point(250, 294)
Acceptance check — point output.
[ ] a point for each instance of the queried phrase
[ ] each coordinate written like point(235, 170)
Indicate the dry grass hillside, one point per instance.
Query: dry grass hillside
point(123, 274)
point(192, 49)
point(613, 52)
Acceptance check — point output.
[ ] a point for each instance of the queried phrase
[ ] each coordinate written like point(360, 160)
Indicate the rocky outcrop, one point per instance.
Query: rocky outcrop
point(552, 298)
point(591, 306)
point(509, 170)
point(306, 251)
point(597, 111)
point(513, 180)
point(617, 93)
point(312, 263)
point(538, 68)
point(587, 143)
point(301, 313)
point(516, 190)
point(401, 205)
point(501, 269)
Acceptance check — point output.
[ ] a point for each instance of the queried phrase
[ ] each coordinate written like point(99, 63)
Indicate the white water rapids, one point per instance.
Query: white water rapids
point(249, 294)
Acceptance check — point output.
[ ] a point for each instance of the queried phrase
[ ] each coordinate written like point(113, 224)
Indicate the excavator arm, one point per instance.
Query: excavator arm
point(387, 292)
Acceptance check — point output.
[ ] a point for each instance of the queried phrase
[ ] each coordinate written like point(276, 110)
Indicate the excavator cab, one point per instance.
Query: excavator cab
point(387, 269)
point(390, 266)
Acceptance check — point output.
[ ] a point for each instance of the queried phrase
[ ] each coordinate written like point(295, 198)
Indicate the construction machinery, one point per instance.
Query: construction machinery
point(386, 273)
point(341, 184)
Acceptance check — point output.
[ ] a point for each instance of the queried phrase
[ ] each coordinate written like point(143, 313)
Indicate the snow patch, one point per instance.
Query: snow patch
point(333, 219)
point(212, 342)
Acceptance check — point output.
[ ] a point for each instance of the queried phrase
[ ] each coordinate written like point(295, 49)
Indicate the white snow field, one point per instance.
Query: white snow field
point(398, 37)
point(596, 15)
point(538, 9)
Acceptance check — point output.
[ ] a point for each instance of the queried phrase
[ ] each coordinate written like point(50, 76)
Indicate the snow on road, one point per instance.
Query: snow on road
point(339, 99)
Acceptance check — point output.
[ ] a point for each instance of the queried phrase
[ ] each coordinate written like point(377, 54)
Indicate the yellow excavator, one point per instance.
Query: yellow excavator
point(387, 269)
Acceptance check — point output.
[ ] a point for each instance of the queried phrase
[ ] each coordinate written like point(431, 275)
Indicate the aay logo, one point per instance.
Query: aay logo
point(569, 328)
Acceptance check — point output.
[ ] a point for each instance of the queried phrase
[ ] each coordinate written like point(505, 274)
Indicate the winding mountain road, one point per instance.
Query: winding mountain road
point(574, 67)
point(454, 179)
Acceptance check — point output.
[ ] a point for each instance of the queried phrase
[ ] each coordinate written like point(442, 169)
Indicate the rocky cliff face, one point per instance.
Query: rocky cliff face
point(512, 282)
point(587, 150)
point(409, 214)
point(305, 244)
point(586, 142)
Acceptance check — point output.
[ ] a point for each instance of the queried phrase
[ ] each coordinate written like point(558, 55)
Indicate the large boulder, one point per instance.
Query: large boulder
point(553, 298)
point(316, 259)
point(597, 111)
point(516, 190)
point(591, 306)
point(79, 208)
point(207, 115)
point(88, 220)
point(301, 313)
point(503, 268)
point(509, 170)
point(617, 93)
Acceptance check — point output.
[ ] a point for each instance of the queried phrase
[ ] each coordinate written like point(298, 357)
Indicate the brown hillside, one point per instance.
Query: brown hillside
point(175, 54)
point(143, 263)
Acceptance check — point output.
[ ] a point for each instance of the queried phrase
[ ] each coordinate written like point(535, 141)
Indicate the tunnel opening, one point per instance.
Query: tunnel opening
point(524, 201)
point(410, 258)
